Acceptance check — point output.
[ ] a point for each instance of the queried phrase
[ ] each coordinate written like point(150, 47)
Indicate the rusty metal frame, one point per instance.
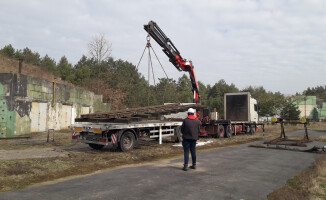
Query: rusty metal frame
point(284, 140)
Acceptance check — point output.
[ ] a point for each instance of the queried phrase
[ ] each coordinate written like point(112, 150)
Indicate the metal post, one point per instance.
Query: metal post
point(306, 132)
point(48, 137)
point(282, 130)
point(54, 92)
point(160, 135)
point(305, 105)
point(235, 129)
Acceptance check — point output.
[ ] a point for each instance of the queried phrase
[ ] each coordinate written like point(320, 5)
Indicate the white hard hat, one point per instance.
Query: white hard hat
point(191, 110)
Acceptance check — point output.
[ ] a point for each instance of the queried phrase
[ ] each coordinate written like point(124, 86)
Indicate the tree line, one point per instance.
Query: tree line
point(318, 91)
point(123, 86)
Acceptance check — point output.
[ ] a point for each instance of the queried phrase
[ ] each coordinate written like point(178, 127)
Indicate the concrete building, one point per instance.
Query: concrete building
point(322, 112)
point(34, 100)
point(29, 105)
point(307, 105)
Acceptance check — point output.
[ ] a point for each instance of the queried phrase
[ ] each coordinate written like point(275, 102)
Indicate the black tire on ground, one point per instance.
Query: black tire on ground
point(178, 134)
point(96, 146)
point(220, 131)
point(127, 141)
point(228, 132)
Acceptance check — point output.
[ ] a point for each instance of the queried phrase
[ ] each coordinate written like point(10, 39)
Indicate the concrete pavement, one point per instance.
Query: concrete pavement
point(238, 172)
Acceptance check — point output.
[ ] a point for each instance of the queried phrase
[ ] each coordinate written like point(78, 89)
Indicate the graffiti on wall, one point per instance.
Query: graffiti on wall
point(26, 105)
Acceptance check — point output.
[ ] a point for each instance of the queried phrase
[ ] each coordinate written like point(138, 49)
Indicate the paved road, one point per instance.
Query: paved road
point(239, 172)
point(311, 134)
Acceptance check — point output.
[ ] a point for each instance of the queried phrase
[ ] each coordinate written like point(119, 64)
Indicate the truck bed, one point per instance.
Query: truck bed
point(111, 125)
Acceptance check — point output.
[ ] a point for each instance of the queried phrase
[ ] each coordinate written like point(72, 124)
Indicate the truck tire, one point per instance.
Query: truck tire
point(220, 131)
point(178, 134)
point(233, 130)
point(127, 141)
point(228, 132)
point(96, 146)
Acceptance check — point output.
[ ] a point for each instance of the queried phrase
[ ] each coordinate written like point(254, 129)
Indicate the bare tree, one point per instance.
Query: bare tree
point(99, 48)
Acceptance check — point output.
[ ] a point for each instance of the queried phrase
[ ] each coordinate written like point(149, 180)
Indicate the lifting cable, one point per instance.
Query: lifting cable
point(150, 64)
point(149, 46)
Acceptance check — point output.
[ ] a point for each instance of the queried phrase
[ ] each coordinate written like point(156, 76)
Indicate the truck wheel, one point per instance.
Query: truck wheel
point(96, 146)
point(228, 132)
point(178, 134)
point(127, 141)
point(233, 130)
point(220, 131)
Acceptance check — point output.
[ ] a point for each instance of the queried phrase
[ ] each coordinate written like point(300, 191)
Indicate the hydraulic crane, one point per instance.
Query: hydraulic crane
point(174, 55)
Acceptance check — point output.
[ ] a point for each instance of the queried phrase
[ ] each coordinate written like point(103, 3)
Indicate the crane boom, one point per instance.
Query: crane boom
point(174, 55)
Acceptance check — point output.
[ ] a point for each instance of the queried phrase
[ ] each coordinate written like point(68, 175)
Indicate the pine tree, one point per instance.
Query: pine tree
point(290, 110)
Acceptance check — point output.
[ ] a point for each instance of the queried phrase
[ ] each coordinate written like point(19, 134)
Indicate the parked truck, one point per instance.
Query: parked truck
point(240, 115)
point(242, 110)
point(124, 128)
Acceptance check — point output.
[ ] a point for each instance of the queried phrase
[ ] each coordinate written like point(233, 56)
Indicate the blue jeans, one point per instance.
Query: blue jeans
point(189, 144)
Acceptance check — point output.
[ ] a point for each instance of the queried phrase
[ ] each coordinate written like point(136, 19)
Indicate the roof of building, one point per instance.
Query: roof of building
point(8, 65)
point(305, 100)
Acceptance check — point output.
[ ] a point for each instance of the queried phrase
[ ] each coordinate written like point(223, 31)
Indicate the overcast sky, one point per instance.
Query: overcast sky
point(277, 44)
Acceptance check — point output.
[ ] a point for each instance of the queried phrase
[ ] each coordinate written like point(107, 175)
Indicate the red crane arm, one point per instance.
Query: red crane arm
point(174, 55)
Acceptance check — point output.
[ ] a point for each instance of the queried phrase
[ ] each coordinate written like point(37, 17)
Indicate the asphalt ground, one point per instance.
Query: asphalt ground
point(300, 133)
point(238, 172)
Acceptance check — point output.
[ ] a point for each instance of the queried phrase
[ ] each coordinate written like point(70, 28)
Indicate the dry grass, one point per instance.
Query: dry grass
point(317, 189)
point(310, 184)
point(317, 125)
point(16, 174)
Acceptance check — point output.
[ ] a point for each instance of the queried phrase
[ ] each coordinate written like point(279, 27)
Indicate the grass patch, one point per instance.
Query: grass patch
point(310, 184)
point(294, 183)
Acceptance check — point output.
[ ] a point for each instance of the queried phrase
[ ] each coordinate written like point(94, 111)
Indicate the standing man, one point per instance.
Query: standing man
point(190, 130)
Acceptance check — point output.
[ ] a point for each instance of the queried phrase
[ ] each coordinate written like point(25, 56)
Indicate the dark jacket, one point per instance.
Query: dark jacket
point(190, 129)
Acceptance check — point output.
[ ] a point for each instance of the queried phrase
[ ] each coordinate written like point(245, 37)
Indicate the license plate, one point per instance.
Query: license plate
point(78, 129)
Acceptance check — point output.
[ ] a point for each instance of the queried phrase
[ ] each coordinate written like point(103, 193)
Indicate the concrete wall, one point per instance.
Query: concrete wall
point(306, 110)
point(28, 104)
point(307, 104)
point(322, 114)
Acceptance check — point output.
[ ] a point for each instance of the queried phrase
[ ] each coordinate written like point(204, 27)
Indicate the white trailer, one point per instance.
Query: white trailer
point(124, 135)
